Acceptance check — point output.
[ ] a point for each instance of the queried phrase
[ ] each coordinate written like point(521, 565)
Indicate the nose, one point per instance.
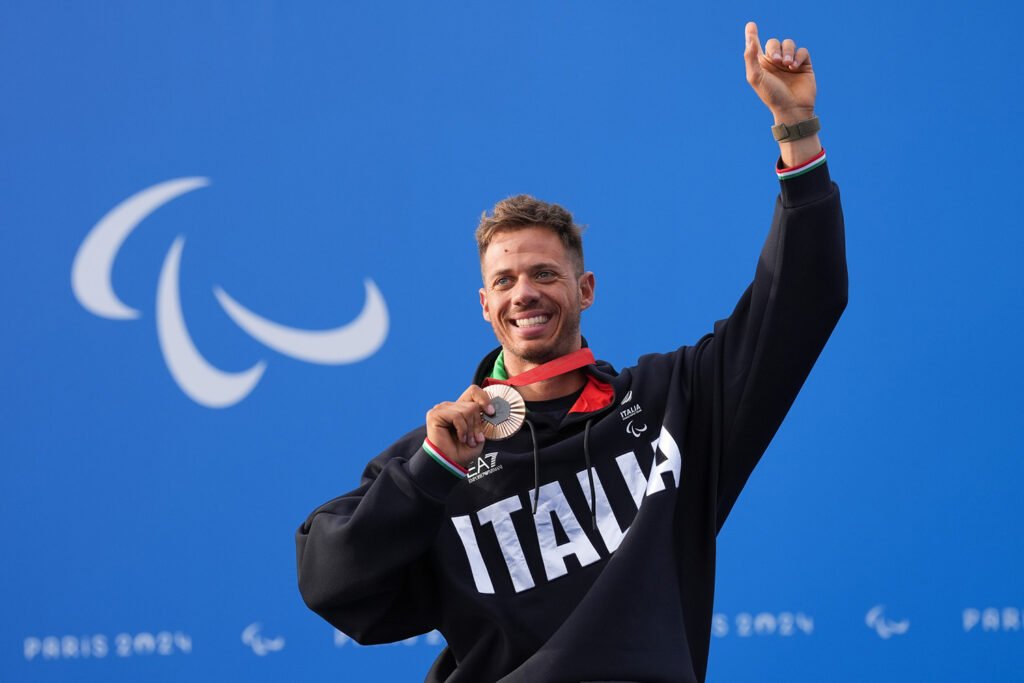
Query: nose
point(524, 292)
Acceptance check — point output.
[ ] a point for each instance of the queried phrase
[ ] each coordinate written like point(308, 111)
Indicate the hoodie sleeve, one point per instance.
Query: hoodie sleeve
point(363, 558)
point(751, 369)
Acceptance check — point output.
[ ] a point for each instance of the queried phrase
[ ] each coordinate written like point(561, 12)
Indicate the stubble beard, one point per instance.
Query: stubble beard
point(561, 345)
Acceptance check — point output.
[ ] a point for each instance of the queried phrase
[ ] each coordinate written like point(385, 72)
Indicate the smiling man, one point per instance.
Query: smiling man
point(582, 547)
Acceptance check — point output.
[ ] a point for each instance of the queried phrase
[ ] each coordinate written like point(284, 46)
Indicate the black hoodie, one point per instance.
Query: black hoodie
point(567, 594)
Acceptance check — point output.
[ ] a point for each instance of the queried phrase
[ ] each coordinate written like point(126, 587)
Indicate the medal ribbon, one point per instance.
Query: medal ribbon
point(553, 368)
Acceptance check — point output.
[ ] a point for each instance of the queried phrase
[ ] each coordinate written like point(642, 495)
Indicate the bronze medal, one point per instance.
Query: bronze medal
point(509, 412)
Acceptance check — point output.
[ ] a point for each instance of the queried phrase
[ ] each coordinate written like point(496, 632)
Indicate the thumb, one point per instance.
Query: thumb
point(752, 52)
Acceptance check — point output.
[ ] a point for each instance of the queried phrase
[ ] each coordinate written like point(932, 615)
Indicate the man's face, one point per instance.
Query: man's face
point(532, 296)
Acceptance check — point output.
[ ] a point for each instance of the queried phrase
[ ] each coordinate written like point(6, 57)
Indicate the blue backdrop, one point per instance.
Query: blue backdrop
point(160, 446)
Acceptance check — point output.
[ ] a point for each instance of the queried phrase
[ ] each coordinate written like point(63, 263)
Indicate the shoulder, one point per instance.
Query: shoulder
point(654, 365)
point(659, 373)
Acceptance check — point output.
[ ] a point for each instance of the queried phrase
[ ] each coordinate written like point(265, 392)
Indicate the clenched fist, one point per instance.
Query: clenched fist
point(457, 427)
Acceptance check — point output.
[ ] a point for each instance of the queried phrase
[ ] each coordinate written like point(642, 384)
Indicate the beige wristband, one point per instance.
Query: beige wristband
point(794, 131)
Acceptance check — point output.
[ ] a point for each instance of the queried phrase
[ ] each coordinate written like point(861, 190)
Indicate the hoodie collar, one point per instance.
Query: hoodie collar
point(597, 394)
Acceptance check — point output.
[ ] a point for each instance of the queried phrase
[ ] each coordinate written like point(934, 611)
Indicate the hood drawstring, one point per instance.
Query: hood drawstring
point(590, 475)
point(536, 466)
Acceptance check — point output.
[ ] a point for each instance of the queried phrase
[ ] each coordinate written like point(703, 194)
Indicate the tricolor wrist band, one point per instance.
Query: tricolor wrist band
point(809, 165)
point(443, 460)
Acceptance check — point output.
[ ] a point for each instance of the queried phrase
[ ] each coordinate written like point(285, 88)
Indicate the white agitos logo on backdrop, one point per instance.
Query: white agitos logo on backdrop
point(200, 380)
point(884, 627)
point(261, 646)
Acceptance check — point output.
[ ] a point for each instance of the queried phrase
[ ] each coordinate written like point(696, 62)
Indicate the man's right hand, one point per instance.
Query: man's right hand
point(457, 428)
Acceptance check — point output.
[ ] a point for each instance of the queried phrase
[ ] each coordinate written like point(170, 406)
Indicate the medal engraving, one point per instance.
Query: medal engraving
point(509, 412)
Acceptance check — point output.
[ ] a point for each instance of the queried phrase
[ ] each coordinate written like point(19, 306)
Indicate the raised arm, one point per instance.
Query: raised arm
point(747, 373)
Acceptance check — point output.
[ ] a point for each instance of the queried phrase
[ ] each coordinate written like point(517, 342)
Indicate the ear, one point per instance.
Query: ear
point(586, 290)
point(483, 305)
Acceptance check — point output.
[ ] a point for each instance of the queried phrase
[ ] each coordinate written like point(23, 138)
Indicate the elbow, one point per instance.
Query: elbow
point(834, 293)
point(356, 619)
point(322, 586)
point(841, 299)
point(842, 286)
point(329, 587)
point(348, 606)
point(831, 310)
point(318, 585)
point(325, 600)
point(319, 595)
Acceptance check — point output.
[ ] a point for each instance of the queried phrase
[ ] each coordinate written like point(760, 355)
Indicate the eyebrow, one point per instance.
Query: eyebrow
point(535, 267)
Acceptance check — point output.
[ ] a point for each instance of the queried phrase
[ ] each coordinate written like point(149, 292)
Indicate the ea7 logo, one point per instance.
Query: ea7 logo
point(484, 462)
point(484, 465)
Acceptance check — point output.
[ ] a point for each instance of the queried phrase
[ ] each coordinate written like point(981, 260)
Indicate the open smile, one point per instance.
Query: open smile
point(532, 321)
point(532, 326)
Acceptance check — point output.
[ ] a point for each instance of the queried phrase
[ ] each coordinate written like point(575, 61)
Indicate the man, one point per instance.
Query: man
point(517, 550)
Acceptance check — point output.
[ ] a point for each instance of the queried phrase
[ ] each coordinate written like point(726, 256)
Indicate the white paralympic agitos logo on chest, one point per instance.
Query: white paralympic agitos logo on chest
point(198, 378)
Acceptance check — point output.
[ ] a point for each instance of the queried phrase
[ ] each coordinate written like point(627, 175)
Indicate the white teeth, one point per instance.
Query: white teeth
point(530, 322)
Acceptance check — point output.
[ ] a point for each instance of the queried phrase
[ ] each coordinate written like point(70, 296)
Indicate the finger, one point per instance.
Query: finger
point(750, 31)
point(448, 416)
point(773, 50)
point(479, 397)
point(802, 58)
point(474, 422)
point(462, 428)
point(752, 52)
point(435, 416)
point(788, 49)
